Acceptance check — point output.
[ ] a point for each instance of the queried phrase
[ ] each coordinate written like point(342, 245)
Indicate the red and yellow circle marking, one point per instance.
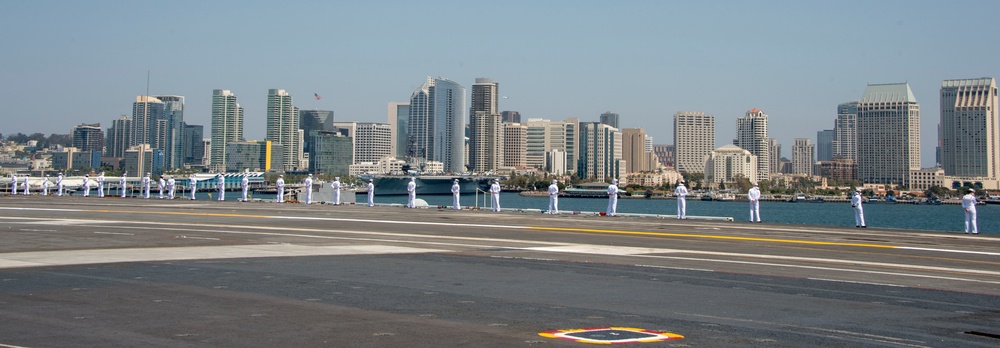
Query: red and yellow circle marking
point(611, 335)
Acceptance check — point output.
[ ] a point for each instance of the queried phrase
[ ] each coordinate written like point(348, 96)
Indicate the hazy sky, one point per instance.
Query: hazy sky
point(69, 62)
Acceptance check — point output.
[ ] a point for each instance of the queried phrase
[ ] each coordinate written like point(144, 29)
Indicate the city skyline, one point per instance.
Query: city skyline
point(642, 62)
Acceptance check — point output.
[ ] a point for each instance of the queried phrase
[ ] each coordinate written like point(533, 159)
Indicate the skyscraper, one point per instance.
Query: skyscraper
point(611, 119)
point(510, 116)
point(194, 148)
point(694, 139)
point(88, 137)
point(283, 126)
point(824, 144)
point(637, 159)
point(774, 152)
point(969, 128)
point(147, 112)
point(751, 135)
point(399, 114)
point(437, 124)
point(515, 145)
point(802, 156)
point(888, 127)
point(170, 130)
point(845, 144)
point(310, 120)
point(485, 127)
point(600, 152)
point(227, 126)
point(370, 141)
point(119, 137)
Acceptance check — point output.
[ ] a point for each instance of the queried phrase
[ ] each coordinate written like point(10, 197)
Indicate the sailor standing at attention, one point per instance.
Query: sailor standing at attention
point(280, 183)
point(308, 183)
point(554, 197)
point(455, 191)
point(371, 192)
point(495, 194)
point(13, 184)
point(613, 198)
point(220, 182)
point(146, 182)
point(411, 191)
point(969, 204)
point(45, 185)
point(194, 186)
point(59, 185)
point(86, 185)
point(171, 187)
point(754, 196)
point(100, 185)
point(161, 184)
point(27, 186)
point(245, 185)
point(336, 190)
point(859, 213)
point(681, 192)
point(121, 184)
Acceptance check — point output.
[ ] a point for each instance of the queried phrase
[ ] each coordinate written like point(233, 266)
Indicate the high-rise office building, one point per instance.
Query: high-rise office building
point(258, 156)
point(775, 160)
point(88, 137)
point(333, 152)
point(600, 152)
point(194, 148)
point(802, 156)
point(751, 135)
point(515, 145)
point(729, 163)
point(611, 119)
point(542, 137)
point(694, 140)
point(664, 154)
point(310, 120)
point(119, 137)
point(510, 116)
point(888, 127)
point(437, 124)
point(142, 159)
point(486, 132)
point(147, 113)
point(970, 137)
point(637, 158)
point(283, 126)
point(227, 127)
point(170, 130)
point(845, 143)
point(370, 141)
point(399, 114)
point(824, 144)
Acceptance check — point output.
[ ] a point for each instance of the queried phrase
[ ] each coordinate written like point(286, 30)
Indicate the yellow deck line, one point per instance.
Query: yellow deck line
point(706, 236)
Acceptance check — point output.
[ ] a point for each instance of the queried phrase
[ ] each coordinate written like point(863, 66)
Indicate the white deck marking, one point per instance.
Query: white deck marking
point(95, 256)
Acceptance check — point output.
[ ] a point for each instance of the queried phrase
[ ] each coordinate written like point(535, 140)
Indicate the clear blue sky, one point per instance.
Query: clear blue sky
point(69, 62)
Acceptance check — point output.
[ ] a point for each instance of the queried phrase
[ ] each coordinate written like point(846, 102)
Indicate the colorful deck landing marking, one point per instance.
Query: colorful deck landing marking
point(611, 335)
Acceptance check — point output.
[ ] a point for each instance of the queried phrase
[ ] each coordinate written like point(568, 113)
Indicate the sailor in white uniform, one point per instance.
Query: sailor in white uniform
point(371, 192)
point(162, 185)
point(681, 192)
point(336, 190)
point(859, 213)
point(495, 194)
point(100, 185)
point(754, 196)
point(455, 192)
point(45, 185)
point(122, 183)
point(245, 186)
point(969, 204)
point(613, 198)
point(13, 184)
point(280, 184)
point(146, 182)
point(411, 191)
point(86, 185)
point(171, 187)
point(308, 183)
point(194, 186)
point(220, 183)
point(27, 186)
point(59, 185)
point(554, 197)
